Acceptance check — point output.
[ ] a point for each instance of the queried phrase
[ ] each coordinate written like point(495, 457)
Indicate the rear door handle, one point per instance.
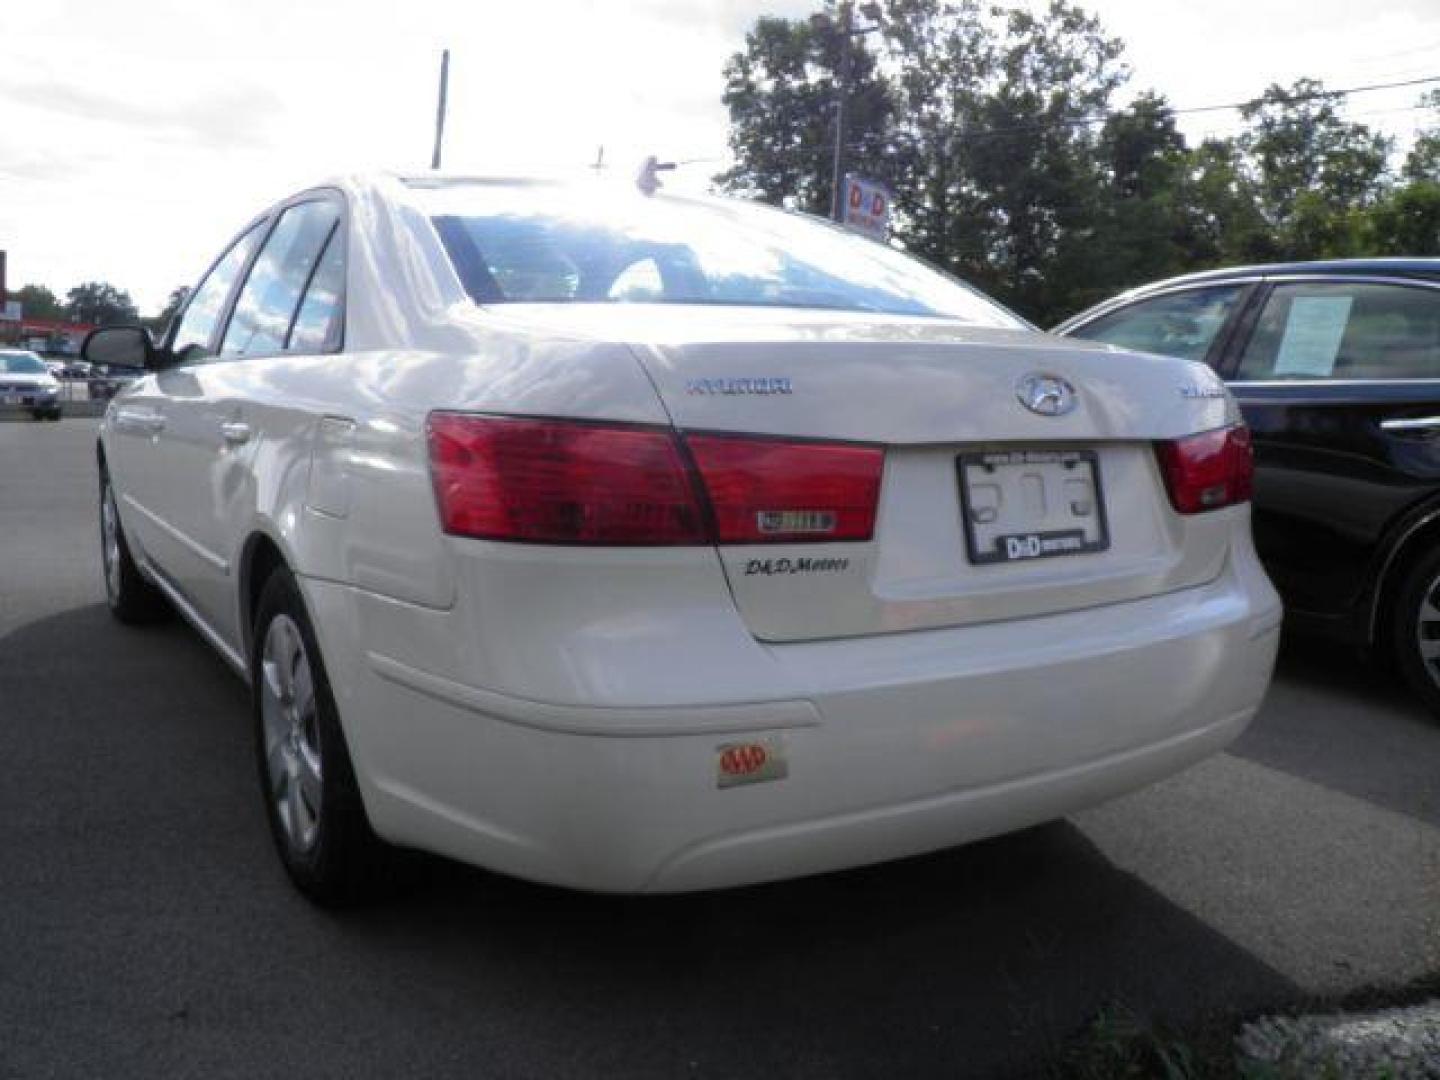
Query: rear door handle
point(1418, 424)
point(235, 432)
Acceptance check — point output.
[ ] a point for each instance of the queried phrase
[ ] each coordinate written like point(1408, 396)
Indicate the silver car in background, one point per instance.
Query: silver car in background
point(26, 383)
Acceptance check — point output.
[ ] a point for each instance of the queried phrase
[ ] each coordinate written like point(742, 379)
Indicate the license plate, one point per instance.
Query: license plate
point(1021, 505)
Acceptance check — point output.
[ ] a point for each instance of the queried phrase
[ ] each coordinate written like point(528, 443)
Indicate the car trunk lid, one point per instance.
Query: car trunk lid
point(988, 509)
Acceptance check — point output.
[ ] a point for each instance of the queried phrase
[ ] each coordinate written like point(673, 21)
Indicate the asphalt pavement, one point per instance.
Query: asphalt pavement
point(146, 928)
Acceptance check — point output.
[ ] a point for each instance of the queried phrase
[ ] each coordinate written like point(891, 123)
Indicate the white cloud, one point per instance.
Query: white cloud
point(139, 136)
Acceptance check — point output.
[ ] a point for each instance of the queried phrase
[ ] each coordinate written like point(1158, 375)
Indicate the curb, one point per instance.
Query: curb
point(1399, 1044)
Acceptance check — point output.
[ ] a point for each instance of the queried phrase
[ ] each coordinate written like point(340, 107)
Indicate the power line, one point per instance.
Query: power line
point(1296, 99)
point(1289, 99)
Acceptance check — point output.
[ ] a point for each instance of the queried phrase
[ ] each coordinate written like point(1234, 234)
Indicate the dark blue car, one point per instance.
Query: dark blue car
point(1337, 368)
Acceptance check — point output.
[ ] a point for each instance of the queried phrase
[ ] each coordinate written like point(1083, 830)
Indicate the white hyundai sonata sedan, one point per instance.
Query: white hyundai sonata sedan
point(648, 543)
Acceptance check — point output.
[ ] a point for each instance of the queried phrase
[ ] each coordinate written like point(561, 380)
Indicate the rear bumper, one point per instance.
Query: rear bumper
point(894, 831)
point(26, 403)
point(892, 745)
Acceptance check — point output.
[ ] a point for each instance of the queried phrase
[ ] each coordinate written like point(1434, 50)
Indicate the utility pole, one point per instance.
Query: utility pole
point(844, 31)
point(440, 109)
point(837, 198)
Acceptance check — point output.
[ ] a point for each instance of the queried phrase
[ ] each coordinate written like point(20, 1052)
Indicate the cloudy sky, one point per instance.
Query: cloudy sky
point(138, 135)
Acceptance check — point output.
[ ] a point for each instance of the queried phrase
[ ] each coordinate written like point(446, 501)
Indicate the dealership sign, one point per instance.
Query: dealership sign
point(867, 207)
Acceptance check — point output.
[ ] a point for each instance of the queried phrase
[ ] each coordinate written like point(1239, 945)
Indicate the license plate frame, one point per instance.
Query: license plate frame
point(1041, 544)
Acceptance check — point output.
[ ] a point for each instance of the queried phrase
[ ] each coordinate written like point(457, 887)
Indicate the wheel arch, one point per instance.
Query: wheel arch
point(1418, 533)
point(260, 556)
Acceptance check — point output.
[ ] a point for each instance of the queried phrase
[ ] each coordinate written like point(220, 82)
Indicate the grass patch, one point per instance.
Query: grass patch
point(1118, 1043)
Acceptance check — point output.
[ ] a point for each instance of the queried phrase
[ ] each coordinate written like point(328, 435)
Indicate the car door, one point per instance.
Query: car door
point(140, 446)
point(212, 428)
point(1339, 380)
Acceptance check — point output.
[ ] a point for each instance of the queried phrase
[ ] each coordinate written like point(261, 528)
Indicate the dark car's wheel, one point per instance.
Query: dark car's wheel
point(1415, 629)
point(130, 597)
point(53, 414)
point(311, 798)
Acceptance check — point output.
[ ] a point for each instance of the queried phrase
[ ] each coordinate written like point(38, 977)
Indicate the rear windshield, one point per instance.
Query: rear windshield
point(527, 243)
point(22, 364)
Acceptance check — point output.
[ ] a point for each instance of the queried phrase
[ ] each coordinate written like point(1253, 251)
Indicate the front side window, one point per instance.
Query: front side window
point(1340, 330)
point(207, 302)
point(529, 243)
point(270, 299)
point(1182, 324)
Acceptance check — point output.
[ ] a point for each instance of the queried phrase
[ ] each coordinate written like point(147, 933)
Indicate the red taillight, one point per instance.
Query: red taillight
point(766, 491)
point(561, 482)
point(1209, 470)
point(574, 482)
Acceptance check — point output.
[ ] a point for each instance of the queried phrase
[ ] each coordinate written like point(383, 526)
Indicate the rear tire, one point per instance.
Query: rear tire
point(1415, 629)
point(129, 596)
point(312, 800)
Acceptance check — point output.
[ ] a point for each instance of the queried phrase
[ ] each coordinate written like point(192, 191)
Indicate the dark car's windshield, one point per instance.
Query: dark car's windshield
point(528, 243)
point(13, 363)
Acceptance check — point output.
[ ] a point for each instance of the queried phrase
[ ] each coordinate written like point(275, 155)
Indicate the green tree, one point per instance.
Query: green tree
point(1038, 163)
point(995, 129)
point(977, 116)
point(172, 307)
point(941, 55)
point(38, 302)
point(1221, 204)
point(1313, 167)
point(1423, 160)
point(780, 91)
point(101, 303)
point(1144, 229)
point(1406, 222)
point(1002, 180)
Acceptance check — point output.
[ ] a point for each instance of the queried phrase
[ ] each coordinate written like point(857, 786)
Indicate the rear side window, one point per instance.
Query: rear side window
point(207, 303)
point(1182, 324)
point(271, 297)
point(1340, 330)
point(318, 322)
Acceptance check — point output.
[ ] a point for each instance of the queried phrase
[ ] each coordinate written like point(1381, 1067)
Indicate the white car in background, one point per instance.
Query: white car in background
point(26, 385)
point(656, 543)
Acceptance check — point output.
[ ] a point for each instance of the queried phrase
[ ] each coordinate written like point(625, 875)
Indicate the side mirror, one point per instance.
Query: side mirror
point(119, 346)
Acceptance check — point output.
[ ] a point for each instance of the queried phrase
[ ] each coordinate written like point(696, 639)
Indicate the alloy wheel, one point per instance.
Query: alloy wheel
point(293, 764)
point(110, 543)
point(1427, 631)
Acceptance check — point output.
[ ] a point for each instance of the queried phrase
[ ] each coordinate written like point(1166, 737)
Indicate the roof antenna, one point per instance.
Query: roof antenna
point(648, 180)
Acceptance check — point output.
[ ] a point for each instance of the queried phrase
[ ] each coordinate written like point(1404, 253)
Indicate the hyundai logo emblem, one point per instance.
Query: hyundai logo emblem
point(1048, 395)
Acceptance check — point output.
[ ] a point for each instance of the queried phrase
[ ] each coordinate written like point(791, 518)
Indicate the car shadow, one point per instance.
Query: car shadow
point(146, 920)
point(1337, 719)
point(982, 960)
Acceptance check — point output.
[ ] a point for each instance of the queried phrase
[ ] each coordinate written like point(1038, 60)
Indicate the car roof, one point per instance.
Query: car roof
point(1399, 266)
point(1402, 265)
